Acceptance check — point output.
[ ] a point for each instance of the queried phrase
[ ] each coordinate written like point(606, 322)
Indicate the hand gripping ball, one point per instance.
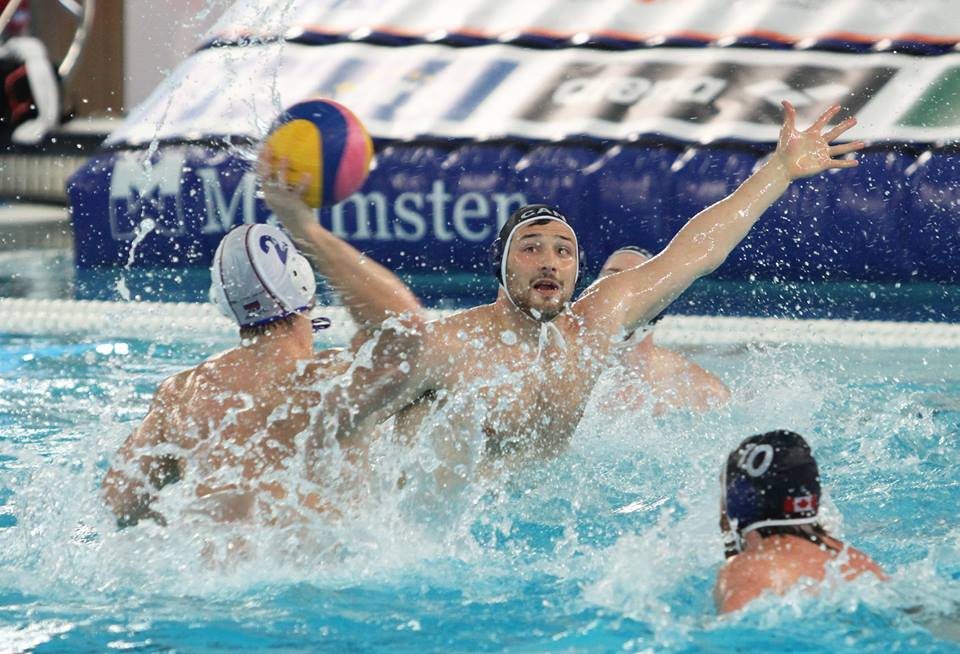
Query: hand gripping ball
point(325, 141)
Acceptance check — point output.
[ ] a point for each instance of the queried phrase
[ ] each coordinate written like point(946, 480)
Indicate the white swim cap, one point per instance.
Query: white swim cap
point(258, 276)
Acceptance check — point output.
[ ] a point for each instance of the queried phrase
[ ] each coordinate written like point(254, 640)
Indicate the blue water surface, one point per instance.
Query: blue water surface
point(611, 547)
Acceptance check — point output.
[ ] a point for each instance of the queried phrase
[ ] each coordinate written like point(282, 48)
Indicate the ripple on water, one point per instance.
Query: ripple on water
point(612, 546)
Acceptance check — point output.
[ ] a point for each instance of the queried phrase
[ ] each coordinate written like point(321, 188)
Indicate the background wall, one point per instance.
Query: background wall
point(133, 45)
point(159, 35)
point(96, 87)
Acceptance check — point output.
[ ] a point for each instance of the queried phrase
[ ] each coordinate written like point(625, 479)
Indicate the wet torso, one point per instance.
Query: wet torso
point(502, 387)
point(236, 424)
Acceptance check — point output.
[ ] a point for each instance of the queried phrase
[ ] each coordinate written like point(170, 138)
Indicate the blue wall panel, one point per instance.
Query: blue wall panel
point(436, 206)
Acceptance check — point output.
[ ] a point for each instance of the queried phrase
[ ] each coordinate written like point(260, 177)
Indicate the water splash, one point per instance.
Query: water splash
point(540, 547)
point(144, 228)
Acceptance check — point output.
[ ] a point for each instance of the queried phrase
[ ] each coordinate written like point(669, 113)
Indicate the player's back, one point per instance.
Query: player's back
point(238, 416)
point(780, 562)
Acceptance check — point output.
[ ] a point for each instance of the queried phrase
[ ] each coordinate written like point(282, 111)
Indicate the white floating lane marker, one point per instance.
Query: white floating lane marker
point(165, 321)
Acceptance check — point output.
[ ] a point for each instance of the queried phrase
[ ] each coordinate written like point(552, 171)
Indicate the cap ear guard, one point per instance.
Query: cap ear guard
point(219, 300)
point(732, 543)
point(217, 294)
point(301, 274)
point(496, 256)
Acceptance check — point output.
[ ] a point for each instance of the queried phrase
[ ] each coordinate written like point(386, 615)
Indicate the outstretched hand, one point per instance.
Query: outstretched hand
point(809, 152)
point(283, 195)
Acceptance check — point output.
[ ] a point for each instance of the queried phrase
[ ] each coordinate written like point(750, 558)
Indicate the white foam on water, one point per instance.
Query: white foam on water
point(654, 564)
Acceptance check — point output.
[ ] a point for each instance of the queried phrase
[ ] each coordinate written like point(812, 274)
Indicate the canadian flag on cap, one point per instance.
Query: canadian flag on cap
point(800, 504)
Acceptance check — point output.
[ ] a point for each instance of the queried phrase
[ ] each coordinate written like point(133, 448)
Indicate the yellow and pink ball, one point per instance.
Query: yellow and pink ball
point(323, 140)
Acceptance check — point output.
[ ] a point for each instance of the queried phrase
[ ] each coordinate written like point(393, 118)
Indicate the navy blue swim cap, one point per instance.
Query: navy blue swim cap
point(633, 248)
point(531, 213)
point(771, 480)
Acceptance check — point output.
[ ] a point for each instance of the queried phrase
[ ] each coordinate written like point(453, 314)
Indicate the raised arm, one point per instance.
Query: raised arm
point(370, 291)
point(137, 474)
point(631, 297)
point(404, 359)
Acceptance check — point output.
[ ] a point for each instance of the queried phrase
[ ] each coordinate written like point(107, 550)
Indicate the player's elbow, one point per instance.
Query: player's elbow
point(717, 393)
point(711, 261)
point(407, 303)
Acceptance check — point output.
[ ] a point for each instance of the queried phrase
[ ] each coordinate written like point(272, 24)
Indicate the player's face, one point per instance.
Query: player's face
point(621, 261)
point(542, 268)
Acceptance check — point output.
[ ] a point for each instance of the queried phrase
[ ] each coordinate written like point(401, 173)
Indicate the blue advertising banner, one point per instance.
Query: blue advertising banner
point(630, 144)
point(435, 208)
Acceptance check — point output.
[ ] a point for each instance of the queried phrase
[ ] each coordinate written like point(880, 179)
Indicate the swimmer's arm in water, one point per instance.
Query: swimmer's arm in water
point(131, 484)
point(370, 291)
point(632, 297)
point(682, 383)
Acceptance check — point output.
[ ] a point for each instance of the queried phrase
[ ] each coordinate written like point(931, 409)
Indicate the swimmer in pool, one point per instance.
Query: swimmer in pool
point(520, 370)
point(671, 380)
point(768, 515)
point(230, 425)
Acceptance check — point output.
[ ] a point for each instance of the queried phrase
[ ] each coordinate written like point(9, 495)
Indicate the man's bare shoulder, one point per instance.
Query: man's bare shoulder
point(785, 559)
point(742, 579)
point(665, 364)
point(227, 370)
point(858, 563)
point(174, 386)
point(812, 558)
point(779, 565)
point(776, 567)
point(477, 317)
point(748, 566)
point(217, 368)
point(453, 329)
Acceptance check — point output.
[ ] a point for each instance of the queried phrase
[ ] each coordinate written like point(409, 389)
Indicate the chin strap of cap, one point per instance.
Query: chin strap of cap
point(732, 541)
point(547, 327)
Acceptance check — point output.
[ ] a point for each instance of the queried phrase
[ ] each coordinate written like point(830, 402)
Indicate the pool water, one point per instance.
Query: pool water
point(612, 547)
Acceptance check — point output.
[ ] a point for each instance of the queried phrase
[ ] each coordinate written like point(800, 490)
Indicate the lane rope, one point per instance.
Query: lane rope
point(169, 322)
